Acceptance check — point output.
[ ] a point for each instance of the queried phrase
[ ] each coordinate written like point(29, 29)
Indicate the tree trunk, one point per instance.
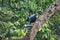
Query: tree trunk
point(41, 20)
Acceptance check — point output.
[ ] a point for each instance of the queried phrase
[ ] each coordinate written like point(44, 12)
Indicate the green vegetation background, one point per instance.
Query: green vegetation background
point(13, 14)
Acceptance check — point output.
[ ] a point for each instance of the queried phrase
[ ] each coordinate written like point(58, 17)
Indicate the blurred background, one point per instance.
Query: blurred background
point(13, 15)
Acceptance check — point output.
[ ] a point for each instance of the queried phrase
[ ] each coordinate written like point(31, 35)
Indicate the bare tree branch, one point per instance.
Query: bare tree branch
point(41, 20)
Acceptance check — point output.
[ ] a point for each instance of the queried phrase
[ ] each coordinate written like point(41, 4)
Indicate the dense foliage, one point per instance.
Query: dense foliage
point(13, 15)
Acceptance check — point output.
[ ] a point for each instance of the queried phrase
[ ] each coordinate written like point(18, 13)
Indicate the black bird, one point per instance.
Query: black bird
point(32, 17)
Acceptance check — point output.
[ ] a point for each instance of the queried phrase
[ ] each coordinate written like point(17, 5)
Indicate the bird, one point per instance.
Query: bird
point(32, 17)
